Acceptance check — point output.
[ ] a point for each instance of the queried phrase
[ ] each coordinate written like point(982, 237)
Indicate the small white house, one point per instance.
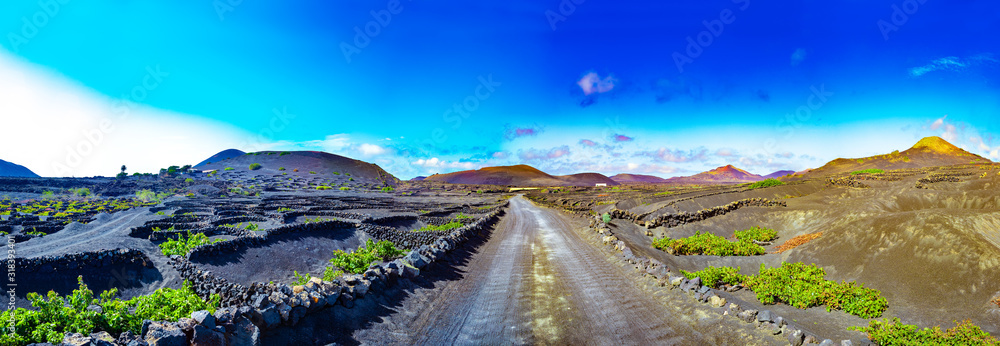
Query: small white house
point(601, 185)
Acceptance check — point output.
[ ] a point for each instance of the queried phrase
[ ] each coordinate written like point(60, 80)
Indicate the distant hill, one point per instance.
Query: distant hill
point(928, 152)
point(519, 175)
point(305, 162)
point(222, 155)
point(9, 169)
point(625, 178)
point(722, 175)
point(418, 178)
point(778, 174)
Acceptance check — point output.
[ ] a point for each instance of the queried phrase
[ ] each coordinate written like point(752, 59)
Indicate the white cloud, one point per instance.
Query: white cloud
point(58, 127)
point(438, 163)
point(371, 149)
point(593, 83)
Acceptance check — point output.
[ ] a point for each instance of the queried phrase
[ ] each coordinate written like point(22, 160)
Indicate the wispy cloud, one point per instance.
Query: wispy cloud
point(676, 156)
point(512, 133)
point(588, 143)
point(954, 64)
point(530, 155)
point(621, 138)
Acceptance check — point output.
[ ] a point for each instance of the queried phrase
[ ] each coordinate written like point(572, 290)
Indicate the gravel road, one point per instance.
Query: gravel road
point(534, 280)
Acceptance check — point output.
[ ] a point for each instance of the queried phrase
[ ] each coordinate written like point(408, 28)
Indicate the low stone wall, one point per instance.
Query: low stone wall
point(258, 238)
point(247, 310)
point(98, 259)
point(674, 220)
point(846, 182)
point(764, 319)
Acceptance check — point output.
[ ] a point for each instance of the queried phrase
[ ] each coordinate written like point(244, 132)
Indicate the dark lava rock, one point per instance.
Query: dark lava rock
point(764, 316)
point(246, 334)
point(796, 338)
point(826, 342)
point(207, 337)
point(165, 334)
point(271, 317)
point(204, 318)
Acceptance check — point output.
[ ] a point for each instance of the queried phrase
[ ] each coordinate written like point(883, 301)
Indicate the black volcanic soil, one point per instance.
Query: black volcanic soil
point(933, 252)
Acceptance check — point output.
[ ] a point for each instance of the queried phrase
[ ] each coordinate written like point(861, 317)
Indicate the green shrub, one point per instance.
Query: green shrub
point(53, 316)
point(281, 168)
point(329, 274)
point(301, 279)
point(255, 166)
point(322, 187)
point(228, 169)
point(357, 262)
point(445, 227)
point(336, 173)
point(804, 286)
point(765, 183)
point(894, 332)
point(868, 171)
point(182, 245)
point(387, 188)
point(312, 172)
point(716, 276)
point(283, 153)
point(606, 218)
point(708, 244)
point(81, 192)
point(189, 180)
point(344, 188)
point(756, 233)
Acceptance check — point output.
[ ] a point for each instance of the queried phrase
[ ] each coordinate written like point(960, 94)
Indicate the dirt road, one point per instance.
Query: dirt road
point(535, 280)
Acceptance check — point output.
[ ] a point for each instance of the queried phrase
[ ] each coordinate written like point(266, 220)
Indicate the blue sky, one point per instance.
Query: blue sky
point(566, 86)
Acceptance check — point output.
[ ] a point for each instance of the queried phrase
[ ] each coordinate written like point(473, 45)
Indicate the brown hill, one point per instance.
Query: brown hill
point(928, 152)
point(722, 175)
point(625, 178)
point(519, 175)
point(305, 162)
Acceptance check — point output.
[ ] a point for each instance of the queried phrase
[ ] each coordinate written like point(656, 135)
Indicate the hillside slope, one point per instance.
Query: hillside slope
point(10, 169)
point(301, 163)
point(928, 152)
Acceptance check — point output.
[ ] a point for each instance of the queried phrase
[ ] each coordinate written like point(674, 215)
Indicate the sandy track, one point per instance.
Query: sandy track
point(534, 280)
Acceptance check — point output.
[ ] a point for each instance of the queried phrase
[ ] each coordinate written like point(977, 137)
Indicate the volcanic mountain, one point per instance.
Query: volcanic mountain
point(418, 178)
point(778, 174)
point(625, 178)
point(723, 175)
point(9, 169)
point(222, 155)
point(928, 152)
point(519, 175)
point(301, 163)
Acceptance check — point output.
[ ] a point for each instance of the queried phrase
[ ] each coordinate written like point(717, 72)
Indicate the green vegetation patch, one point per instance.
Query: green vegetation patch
point(255, 166)
point(801, 286)
point(769, 182)
point(54, 316)
point(894, 332)
point(804, 286)
point(708, 244)
point(717, 276)
point(184, 244)
point(445, 227)
point(357, 262)
point(868, 171)
point(756, 233)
